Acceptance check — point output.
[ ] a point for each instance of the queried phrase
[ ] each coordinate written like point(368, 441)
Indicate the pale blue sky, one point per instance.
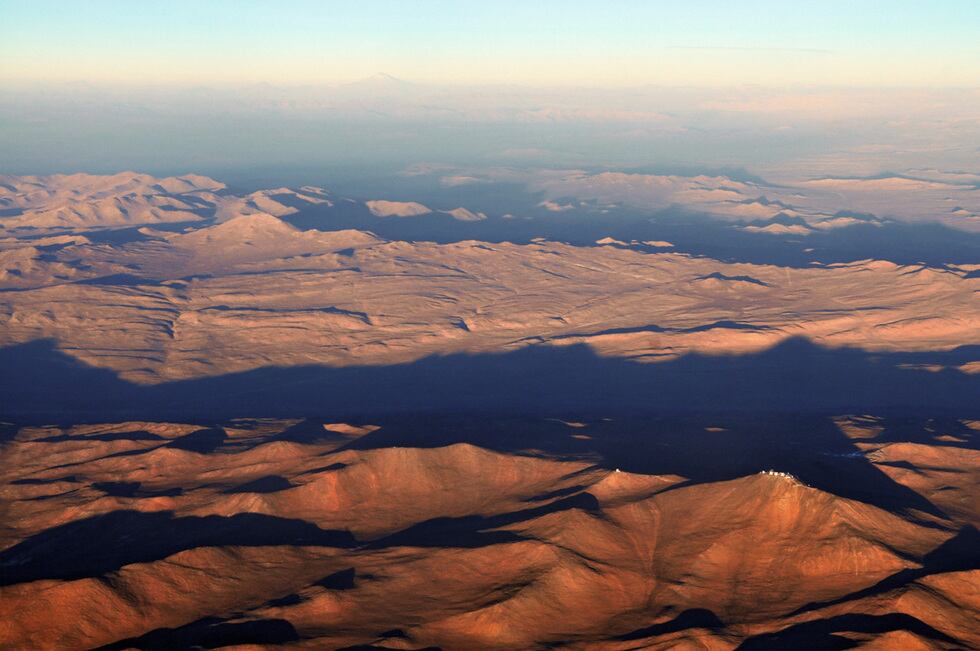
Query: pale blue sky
point(553, 42)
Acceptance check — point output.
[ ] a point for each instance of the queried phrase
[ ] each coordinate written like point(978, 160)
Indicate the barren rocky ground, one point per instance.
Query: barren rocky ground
point(258, 419)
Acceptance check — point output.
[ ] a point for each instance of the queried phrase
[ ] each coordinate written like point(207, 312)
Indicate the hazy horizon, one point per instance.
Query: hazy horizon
point(336, 94)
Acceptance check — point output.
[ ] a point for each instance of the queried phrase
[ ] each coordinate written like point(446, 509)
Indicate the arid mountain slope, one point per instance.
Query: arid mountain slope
point(320, 535)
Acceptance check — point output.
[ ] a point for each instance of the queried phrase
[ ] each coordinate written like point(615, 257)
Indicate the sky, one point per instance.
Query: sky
point(611, 43)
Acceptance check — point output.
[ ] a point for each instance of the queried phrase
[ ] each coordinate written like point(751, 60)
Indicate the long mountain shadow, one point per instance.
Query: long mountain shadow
point(39, 382)
point(751, 412)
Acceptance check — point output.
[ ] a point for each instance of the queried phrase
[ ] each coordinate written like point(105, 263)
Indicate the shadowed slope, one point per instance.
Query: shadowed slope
point(961, 552)
point(101, 544)
point(823, 633)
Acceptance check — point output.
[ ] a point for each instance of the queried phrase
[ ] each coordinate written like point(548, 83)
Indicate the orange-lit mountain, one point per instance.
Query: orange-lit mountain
point(322, 535)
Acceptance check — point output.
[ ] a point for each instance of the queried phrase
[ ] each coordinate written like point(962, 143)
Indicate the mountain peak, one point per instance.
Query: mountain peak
point(380, 80)
point(384, 76)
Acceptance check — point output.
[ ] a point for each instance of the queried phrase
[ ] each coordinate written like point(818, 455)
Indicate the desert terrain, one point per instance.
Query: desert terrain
point(291, 419)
